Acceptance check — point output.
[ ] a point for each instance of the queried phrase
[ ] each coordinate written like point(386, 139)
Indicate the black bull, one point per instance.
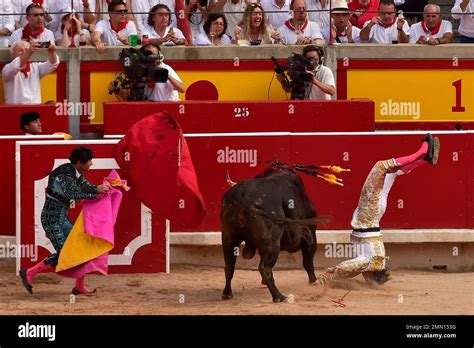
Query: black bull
point(271, 212)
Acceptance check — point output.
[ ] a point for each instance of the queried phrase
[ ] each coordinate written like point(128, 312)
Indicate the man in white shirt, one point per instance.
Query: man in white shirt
point(322, 84)
point(21, 79)
point(35, 29)
point(19, 7)
point(277, 11)
point(116, 31)
point(318, 12)
point(171, 5)
point(233, 11)
point(432, 30)
point(342, 29)
point(386, 28)
point(7, 24)
point(299, 30)
point(460, 11)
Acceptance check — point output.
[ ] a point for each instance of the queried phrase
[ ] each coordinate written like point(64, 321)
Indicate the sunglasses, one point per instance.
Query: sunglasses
point(121, 11)
point(37, 15)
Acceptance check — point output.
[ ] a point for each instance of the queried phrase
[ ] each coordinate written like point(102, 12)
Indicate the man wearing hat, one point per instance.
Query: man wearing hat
point(341, 29)
point(322, 86)
point(30, 123)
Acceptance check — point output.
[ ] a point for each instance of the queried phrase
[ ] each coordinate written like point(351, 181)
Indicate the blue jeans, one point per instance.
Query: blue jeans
point(466, 39)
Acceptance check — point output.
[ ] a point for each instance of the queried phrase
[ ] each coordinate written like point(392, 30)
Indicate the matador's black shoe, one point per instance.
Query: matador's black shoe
point(24, 279)
point(432, 154)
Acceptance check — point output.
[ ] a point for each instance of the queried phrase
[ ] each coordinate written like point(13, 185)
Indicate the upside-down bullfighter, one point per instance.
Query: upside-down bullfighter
point(271, 212)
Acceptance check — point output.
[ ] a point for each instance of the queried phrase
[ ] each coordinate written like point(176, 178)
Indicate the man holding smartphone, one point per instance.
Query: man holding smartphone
point(21, 79)
point(35, 29)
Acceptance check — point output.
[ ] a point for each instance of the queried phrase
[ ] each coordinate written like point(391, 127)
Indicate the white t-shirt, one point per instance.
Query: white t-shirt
point(466, 28)
point(276, 19)
point(235, 17)
point(171, 5)
point(86, 36)
point(203, 40)
point(6, 21)
point(382, 35)
point(311, 31)
point(325, 75)
point(417, 30)
point(142, 18)
point(321, 16)
point(152, 34)
point(164, 91)
point(20, 89)
point(343, 38)
point(109, 37)
point(46, 35)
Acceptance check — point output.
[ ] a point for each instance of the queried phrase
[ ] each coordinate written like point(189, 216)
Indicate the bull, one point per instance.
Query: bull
point(270, 213)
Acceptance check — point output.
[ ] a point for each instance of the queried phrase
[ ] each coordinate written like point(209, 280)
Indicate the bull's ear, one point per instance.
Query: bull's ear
point(229, 180)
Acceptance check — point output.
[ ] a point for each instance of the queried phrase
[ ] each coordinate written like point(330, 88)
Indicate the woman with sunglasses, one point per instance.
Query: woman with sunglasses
point(255, 26)
point(214, 31)
point(159, 29)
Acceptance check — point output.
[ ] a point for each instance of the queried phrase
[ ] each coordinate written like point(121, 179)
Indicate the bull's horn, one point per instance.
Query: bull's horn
point(229, 180)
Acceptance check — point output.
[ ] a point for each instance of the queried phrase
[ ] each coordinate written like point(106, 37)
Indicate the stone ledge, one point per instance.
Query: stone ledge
point(342, 236)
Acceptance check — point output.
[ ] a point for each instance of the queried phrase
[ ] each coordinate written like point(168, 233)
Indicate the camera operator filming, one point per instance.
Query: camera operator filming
point(308, 77)
point(146, 77)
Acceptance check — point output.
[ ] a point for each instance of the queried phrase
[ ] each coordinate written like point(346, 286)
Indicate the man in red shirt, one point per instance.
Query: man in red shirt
point(363, 11)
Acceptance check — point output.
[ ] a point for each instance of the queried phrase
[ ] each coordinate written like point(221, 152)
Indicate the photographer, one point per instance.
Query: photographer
point(318, 81)
point(152, 90)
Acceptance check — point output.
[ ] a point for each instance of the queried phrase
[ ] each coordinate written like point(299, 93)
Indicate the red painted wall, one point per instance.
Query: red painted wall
point(265, 116)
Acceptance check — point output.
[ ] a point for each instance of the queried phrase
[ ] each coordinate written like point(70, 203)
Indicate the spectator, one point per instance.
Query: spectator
point(412, 8)
point(318, 12)
point(255, 26)
point(70, 32)
point(197, 14)
point(322, 85)
point(460, 11)
point(363, 11)
point(34, 30)
point(342, 29)
point(116, 31)
point(386, 28)
point(84, 10)
point(214, 31)
point(159, 30)
point(21, 79)
point(7, 24)
point(299, 30)
point(278, 11)
point(233, 11)
point(432, 30)
point(20, 7)
point(171, 5)
point(30, 123)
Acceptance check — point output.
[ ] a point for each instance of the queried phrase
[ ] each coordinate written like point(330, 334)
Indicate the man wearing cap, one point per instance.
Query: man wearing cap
point(433, 30)
point(30, 123)
point(386, 28)
point(322, 86)
point(21, 79)
point(342, 31)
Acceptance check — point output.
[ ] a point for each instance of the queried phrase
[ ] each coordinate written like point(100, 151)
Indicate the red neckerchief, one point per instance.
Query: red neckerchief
point(28, 34)
point(383, 25)
point(434, 31)
point(292, 28)
point(26, 69)
point(120, 28)
point(342, 33)
point(151, 84)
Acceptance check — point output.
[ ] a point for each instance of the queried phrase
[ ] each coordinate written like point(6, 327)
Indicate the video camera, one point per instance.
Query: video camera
point(139, 68)
point(300, 78)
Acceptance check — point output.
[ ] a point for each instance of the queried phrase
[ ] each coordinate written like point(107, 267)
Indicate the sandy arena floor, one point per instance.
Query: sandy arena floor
point(197, 290)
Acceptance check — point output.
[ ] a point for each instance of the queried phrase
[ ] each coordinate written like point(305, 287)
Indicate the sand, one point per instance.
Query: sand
point(197, 290)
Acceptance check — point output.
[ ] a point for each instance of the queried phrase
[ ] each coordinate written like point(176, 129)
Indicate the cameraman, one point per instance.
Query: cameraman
point(322, 86)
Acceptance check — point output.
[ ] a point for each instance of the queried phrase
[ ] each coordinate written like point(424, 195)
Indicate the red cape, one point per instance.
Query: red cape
point(155, 160)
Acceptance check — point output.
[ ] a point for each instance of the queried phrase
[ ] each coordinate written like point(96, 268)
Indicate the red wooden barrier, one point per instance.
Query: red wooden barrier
point(255, 116)
point(140, 240)
point(51, 122)
point(7, 179)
